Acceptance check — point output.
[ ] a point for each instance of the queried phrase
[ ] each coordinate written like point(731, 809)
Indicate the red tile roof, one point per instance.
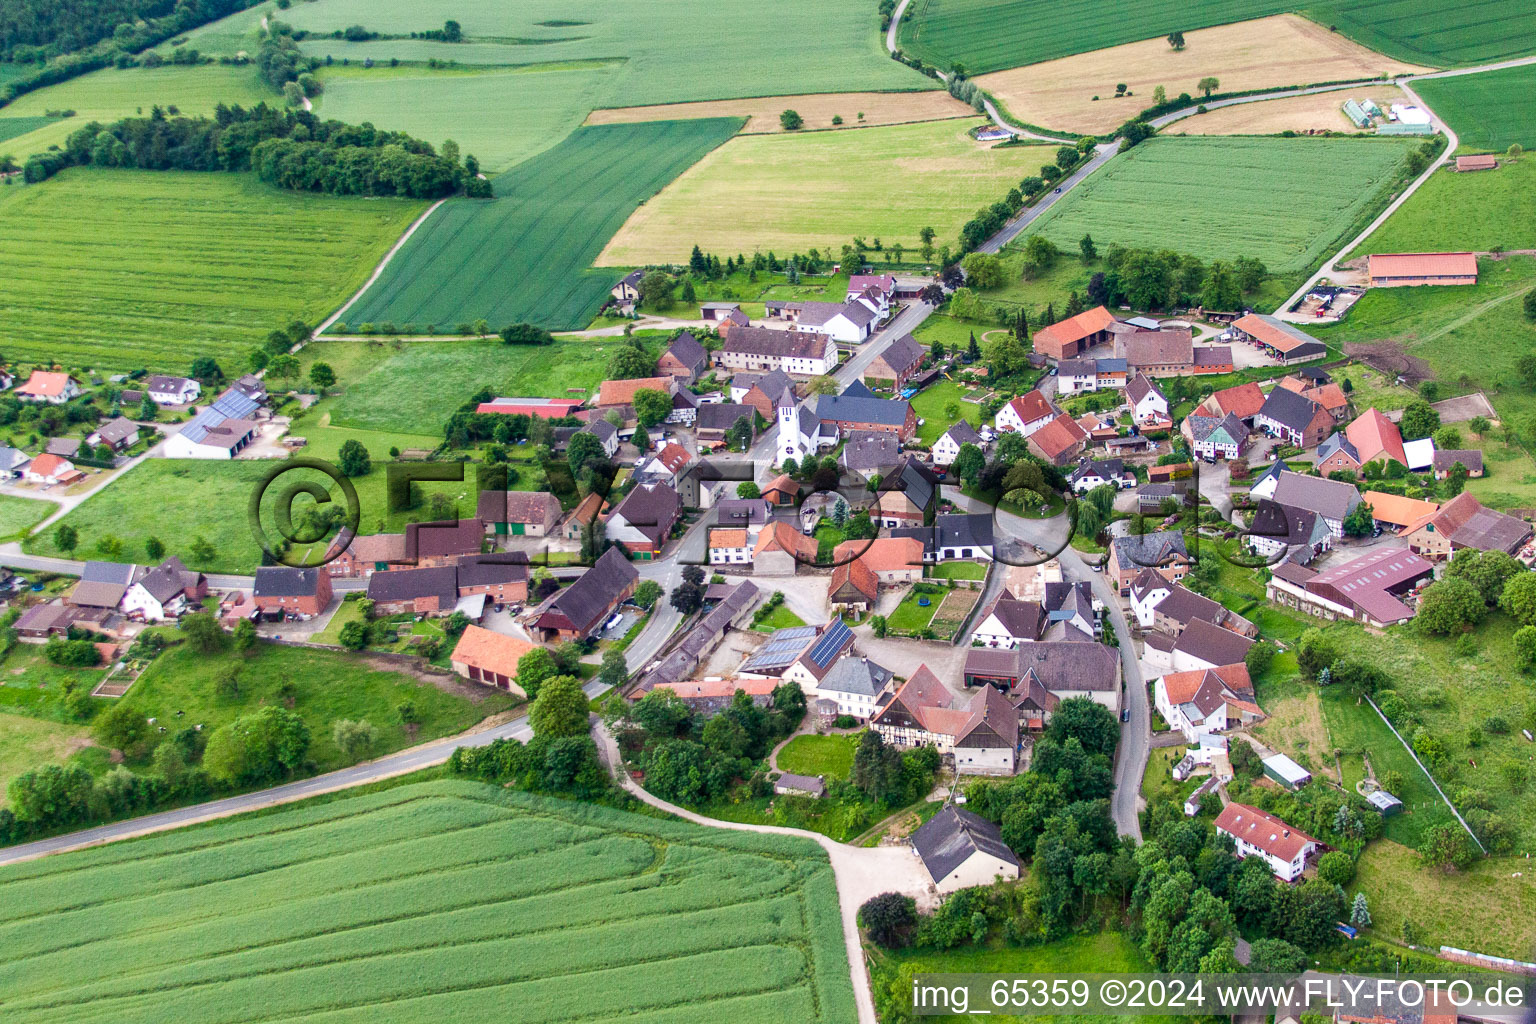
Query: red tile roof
point(1058, 436)
point(1265, 831)
point(622, 392)
point(489, 651)
point(1075, 328)
point(1376, 437)
point(1424, 264)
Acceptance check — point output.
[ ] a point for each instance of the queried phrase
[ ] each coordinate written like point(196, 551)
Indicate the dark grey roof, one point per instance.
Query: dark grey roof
point(1331, 499)
point(595, 591)
point(110, 572)
point(440, 581)
point(687, 350)
point(766, 342)
point(116, 430)
point(1071, 666)
point(1447, 457)
point(170, 578)
point(1334, 442)
point(1109, 469)
point(951, 837)
point(1488, 530)
point(911, 478)
point(951, 530)
point(803, 783)
point(283, 581)
point(1065, 600)
point(871, 451)
point(600, 429)
point(723, 415)
point(651, 509)
point(67, 447)
point(904, 351)
point(1283, 523)
point(1202, 427)
point(1150, 549)
point(1213, 644)
point(1023, 619)
point(961, 432)
point(814, 314)
point(853, 674)
point(857, 404)
point(493, 570)
point(774, 383)
point(1290, 408)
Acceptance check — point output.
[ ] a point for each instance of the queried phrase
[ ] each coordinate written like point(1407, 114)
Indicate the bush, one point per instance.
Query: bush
point(1337, 867)
point(889, 919)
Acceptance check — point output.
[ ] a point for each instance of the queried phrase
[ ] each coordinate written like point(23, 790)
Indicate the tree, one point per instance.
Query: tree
point(1359, 521)
point(560, 709)
point(687, 597)
point(982, 270)
point(1259, 657)
point(65, 537)
point(1488, 571)
point(148, 409)
point(121, 727)
point(791, 121)
point(1525, 645)
point(1519, 598)
point(1276, 956)
point(353, 459)
point(652, 406)
point(53, 794)
point(534, 668)
point(526, 334)
point(888, 919)
point(656, 290)
point(630, 363)
point(353, 738)
point(202, 632)
point(1360, 912)
point(1176, 40)
point(1040, 254)
point(1479, 425)
point(1088, 722)
point(646, 593)
point(1529, 304)
point(322, 376)
point(353, 636)
point(748, 489)
point(1207, 85)
point(969, 463)
point(205, 371)
point(1336, 867)
point(823, 385)
point(584, 448)
point(1086, 249)
point(614, 670)
point(1419, 420)
point(245, 636)
point(1450, 606)
point(641, 438)
point(1222, 290)
point(1447, 847)
point(1447, 437)
point(265, 745)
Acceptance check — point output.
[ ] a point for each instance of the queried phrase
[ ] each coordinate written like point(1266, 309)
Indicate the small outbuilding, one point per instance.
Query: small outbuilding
point(790, 784)
point(1385, 802)
point(1286, 772)
point(961, 850)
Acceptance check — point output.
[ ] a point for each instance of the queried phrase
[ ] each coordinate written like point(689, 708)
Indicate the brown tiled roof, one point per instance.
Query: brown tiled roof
point(857, 573)
point(1032, 406)
point(1160, 348)
point(622, 392)
point(1075, 328)
point(780, 536)
point(1424, 264)
point(1264, 830)
point(444, 539)
point(1058, 436)
point(883, 554)
point(490, 651)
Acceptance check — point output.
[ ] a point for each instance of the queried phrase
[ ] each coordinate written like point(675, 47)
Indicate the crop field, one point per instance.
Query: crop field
point(791, 193)
point(524, 256)
point(434, 901)
point(1078, 92)
point(1317, 112)
point(1487, 111)
point(111, 93)
point(417, 390)
point(682, 50)
point(10, 127)
point(129, 269)
point(502, 117)
point(857, 110)
point(1480, 211)
point(1284, 201)
point(984, 35)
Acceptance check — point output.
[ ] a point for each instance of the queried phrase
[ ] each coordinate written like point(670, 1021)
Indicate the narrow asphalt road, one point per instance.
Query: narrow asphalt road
point(1103, 154)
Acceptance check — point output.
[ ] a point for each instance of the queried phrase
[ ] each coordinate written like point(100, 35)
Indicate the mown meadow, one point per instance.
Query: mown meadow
point(1283, 201)
point(1481, 211)
point(122, 269)
point(525, 255)
point(1487, 111)
point(425, 902)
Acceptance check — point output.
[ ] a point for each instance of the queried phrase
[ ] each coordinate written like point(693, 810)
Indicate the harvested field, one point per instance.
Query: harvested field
point(435, 901)
point(794, 192)
point(1278, 51)
point(1318, 112)
point(857, 109)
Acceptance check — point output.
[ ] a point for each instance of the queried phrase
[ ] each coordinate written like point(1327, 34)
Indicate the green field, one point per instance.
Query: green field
point(985, 35)
point(831, 756)
point(10, 127)
point(28, 742)
point(1487, 111)
point(683, 50)
point(430, 902)
point(930, 403)
point(502, 117)
point(129, 269)
point(794, 192)
point(111, 93)
point(524, 256)
point(417, 389)
point(1284, 201)
point(1478, 211)
point(18, 515)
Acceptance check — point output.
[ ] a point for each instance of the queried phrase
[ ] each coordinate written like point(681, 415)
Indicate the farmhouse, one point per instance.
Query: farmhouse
point(533, 408)
point(164, 390)
point(1065, 668)
point(299, 593)
point(1060, 441)
point(854, 683)
point(642, 522)
point(801, 654)
point(799, 353)
point(1211, 438)
point(606, 433)
point(716, 420)
point(67, 447)
point(169, 590)
point(103, 584)
point(482, 656)
point(444, 542)
point(355, 557)
point(220, 431)
point(1260, 834)
point(1077, 376)
point(1169, 608)
point(518, 513)
point(1068, 338)
point(49, 386)
point(853, 588)
point(960, 850)
point(1090, 474)
point(1376, 439)
point(884, 286)
point(620, 394)
point(1463, 522)
point(1158, 353)
point(1394, 511)
point(1294, 418)
point(947, 448)
point(780, 550)
point(627, 292)
point(1206, 700)
point(891, 559)
point(1243, 401)
point(1279, 531)
point(1368, 589)
point(1026, 413)
point(1164, 551)
point(1469, 459)
point(684, 359)
point(1009, 622)
point(857, 408)
point(849, 323)
point(766, 393)
point(1409, 269)
point(1282, 342)
point(581, 609)
point(953, 535)
point(427, 591)
point(896, 364)
point(1331, 499)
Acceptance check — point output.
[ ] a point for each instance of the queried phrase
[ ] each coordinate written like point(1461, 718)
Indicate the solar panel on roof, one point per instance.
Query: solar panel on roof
point(831, 642)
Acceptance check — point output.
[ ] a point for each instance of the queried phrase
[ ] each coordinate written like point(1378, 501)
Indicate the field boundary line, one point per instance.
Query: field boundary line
point(1427, 774)
point(379, 269)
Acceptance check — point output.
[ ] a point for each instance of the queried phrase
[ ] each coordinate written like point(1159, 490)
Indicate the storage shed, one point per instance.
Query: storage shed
point(1286, 772)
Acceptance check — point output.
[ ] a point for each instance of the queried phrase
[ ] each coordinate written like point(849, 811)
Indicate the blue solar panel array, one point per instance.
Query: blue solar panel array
point(831, 642)
point(233, 404)
point(783, 647)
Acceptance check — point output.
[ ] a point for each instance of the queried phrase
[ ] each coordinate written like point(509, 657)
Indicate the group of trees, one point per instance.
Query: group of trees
point(288, 148)
point(561, 758)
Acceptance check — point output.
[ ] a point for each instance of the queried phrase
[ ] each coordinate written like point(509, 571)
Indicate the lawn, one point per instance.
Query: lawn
point(1485, 908)
point(1487, 111)
point(930, 405)
point(125, 269)
point(18, 515)
point(958, 571)
point(33, 686)
point(831, 756)
point(502, 117)
point(28, 742)
point(780, 618)
point(510, 259)
point(856, 110)
point(1479, 211)
point(433, 901)
point(683, 50)
point(1370, 389)
point(794, 192)
point(1283, 201)
point(328, 685)
point(418, 387)
point(911, 618)
point(1078, 92)
point(985, 35)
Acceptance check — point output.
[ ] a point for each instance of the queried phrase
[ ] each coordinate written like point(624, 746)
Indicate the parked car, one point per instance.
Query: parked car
point(1125, 714)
